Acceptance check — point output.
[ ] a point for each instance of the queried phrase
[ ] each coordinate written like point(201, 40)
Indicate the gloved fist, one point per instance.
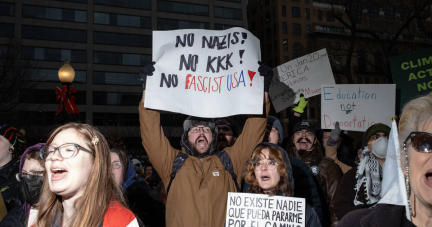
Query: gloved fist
point(301, 104)
point(267, 72)
point(334, 135)
point(146, 71)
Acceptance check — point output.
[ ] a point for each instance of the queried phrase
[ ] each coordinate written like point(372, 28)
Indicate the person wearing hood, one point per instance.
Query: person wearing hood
point(31, 171)
point(148, 211)
point(305, 185)
point(360, 187)
point(12, 144)
point(198, 192)
point(326, 173)
point(269, 172)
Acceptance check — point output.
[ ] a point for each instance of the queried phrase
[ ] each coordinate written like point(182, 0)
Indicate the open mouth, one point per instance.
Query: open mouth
point(265, 178)
point(58, 173)
point(428, 178)
point(202, 142)
point(303, 144)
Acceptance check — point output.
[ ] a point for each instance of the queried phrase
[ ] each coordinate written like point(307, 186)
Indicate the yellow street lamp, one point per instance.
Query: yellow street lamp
point(66, 74)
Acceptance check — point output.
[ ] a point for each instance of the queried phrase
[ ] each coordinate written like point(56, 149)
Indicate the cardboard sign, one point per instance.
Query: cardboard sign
point(412, 74)
point(260, 210)
point(206, 73)
point(301, 75)
point(357, 106)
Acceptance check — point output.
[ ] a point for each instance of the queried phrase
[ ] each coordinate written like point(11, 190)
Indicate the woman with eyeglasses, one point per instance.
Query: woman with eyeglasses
point(415, 138)
point(31, 171)
point(269, 172)
point(79, 189)
point(149, 211)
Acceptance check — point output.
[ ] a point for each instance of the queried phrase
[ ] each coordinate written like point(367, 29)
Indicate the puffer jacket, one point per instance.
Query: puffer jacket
point(329, 177)
point(10, 190)
point(198, 194)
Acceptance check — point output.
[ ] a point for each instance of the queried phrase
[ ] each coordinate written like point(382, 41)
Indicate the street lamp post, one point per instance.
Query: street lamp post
point(66, 74)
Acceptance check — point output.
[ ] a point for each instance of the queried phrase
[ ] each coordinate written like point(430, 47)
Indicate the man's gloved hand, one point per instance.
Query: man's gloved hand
point(301, 104)
point(267, 72)
point(334, 135)
point(146, 71)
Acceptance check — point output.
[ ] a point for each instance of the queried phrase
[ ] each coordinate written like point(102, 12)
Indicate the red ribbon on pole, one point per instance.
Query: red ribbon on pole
point(66, 100)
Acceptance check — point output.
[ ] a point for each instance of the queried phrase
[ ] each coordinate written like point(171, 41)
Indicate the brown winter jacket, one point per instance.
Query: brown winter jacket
point(330, 175)
point(199, 192)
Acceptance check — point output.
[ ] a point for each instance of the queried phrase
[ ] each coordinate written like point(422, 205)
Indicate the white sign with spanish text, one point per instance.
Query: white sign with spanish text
point(261, 210)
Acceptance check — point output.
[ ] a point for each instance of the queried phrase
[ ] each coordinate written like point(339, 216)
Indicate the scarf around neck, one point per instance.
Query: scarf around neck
point(369, 173)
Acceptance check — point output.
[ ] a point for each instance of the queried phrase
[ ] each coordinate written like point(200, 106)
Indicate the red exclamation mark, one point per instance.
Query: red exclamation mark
point(251, 76)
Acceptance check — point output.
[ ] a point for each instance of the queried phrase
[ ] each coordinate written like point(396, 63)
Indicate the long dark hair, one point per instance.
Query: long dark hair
point(284, 185)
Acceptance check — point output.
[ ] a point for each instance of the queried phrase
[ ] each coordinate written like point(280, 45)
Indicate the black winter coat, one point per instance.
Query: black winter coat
point(10, 190)
point(149, 211)
point(380, 215)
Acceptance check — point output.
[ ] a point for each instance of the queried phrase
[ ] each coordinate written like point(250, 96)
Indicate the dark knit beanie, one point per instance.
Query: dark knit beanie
point(374, 129)
point(228, 122)
point(15, 138)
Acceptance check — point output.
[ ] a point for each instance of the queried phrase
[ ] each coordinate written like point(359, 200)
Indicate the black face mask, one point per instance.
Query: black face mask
point(31, 189)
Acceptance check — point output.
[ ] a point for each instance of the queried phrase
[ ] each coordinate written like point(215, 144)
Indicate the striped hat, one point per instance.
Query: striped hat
point(15, 138)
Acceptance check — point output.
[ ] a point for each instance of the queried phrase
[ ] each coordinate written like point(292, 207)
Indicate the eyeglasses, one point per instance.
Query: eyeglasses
point(67, 150)
point(270, 165)
point(307, 133)
point(116, 165)
point(30, 175)
point(420, 141)
point(197, 129)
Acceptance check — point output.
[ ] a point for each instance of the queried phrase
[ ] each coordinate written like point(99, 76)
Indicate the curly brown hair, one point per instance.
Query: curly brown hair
point(284, 186)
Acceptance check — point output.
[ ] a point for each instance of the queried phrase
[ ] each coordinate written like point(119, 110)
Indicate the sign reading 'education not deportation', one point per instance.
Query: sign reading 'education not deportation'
point(412, 74)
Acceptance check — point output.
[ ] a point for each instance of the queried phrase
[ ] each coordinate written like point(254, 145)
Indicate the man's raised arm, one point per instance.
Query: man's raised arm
point(157, 146)
point(254, 129)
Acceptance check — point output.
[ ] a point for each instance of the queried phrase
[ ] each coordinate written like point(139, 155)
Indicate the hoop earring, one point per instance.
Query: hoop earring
point(407, 182)
point(11, 151)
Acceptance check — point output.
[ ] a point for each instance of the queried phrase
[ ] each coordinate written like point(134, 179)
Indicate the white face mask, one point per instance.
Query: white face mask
point(379, 147)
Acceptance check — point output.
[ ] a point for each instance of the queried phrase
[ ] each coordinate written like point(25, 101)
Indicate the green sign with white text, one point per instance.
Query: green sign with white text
point(412, 74)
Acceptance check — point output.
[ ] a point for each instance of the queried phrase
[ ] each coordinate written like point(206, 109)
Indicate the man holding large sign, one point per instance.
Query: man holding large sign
point(357, 107)
point(198, 177)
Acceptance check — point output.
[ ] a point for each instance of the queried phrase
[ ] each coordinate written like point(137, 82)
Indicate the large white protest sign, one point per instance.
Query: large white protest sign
point(301, 75)
point(206, 73)
point(357, 106)
point(260, 210)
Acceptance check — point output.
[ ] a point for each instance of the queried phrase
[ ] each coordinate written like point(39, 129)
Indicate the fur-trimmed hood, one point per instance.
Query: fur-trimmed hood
point(191, 122)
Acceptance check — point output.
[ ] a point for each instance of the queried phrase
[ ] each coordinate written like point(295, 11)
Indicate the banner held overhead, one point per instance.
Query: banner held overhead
point(206, 73)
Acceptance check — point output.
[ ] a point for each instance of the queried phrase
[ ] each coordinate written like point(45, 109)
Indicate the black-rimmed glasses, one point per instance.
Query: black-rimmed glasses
point(67, 150)
point(420, 141)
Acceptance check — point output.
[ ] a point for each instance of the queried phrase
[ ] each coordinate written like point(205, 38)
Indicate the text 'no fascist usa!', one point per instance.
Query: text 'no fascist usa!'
point(205, 73)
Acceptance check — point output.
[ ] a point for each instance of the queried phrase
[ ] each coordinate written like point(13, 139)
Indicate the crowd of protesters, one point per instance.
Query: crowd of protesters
point(76, 179)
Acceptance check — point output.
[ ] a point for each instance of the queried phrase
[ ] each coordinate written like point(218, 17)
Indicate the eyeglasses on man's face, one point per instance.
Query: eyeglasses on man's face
point(198, 129)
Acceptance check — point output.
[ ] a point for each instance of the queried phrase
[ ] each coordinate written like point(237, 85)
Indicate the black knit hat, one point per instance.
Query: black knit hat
point(15, 138)
point(374, 129)
point(228, 122)
point(305, 125)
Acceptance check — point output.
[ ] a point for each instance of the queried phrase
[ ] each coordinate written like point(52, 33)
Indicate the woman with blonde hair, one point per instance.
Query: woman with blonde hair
point(79, 189)
point(269, 172)
point(415, 138)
